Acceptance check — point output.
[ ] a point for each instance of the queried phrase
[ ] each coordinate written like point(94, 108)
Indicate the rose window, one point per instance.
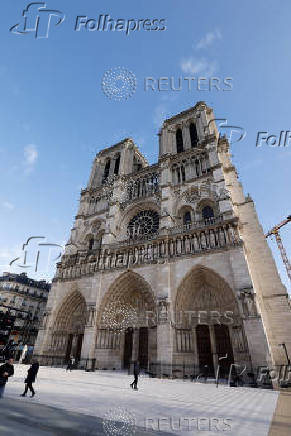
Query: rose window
point(145, 224)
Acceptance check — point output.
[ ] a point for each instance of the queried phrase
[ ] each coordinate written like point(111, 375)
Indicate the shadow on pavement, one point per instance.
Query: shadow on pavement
point(25, 418)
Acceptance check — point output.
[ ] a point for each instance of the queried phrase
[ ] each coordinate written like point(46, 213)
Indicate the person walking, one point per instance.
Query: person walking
point(30, 379)
point(71, 364)
point(136, 371)
point(8, 350)
point(6, 371)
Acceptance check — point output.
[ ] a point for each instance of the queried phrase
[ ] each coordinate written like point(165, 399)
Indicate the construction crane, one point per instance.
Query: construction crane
point(275, 232)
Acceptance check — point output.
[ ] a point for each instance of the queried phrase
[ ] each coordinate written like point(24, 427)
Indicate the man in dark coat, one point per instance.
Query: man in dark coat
point(6, 371)
point(8, 350)
point(31, 376)
point(71, 363)
point(136, 371)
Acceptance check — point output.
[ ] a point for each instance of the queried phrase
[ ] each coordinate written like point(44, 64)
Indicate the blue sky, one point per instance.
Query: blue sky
point(54, 116)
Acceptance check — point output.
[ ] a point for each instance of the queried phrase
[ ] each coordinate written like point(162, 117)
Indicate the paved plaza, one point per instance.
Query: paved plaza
point(81, 403)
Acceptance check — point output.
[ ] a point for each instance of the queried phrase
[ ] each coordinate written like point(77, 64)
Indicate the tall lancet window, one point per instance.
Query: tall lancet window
point(179, 141)
point(187, 218)
point(193, 135)
point(91, 243)
point(207, 212)
point(116, 166)
point(106, 170)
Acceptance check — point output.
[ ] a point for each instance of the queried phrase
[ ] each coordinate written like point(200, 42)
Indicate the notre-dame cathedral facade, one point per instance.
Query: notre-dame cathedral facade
point(167, 262)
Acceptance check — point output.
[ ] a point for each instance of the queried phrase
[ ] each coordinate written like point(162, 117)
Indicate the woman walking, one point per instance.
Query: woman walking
point(30, 379)
point(136, 370)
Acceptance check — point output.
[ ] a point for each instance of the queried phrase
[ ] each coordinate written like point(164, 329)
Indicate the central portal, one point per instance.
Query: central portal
point(74, 347)
point(124, 312)
point(143, 347)
point(204, 349)
point(136, 347)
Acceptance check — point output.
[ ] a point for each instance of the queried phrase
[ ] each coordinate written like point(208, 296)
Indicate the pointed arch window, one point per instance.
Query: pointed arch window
point(106, 169)
point(183, 174)
point(187, 218)
point(207, 212)
point(179, 141)
point(91, 243)
point(193, 135)
point(116, 166)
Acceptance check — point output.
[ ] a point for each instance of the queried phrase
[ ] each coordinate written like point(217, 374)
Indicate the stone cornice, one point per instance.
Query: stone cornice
point(123, 142)
point(198, 105)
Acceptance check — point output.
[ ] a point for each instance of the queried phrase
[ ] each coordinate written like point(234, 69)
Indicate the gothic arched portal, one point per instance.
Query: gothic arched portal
point(69, 326)
point(126, 324)
point(207, 309)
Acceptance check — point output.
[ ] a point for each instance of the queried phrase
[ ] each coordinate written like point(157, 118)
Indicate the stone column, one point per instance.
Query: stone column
point(164, 334)
point(44, 336)
point(195, 349)
point(90, 332)
point(199, 122)
point(186, 137)
point(122, 343)
point(167, 141)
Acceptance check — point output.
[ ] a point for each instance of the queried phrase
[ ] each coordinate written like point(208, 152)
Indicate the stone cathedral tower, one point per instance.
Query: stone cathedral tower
point(167, 263)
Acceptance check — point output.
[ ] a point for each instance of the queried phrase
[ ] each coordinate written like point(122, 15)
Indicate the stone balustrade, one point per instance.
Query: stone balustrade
point(163, 248)
point(124, 189)
point(196, 224)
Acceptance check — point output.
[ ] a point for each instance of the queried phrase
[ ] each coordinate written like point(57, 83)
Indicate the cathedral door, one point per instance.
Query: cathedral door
point(69, 347)
point(79, 346)
point(204, 349)
point(143, 347)
point(128, 337)
point(223, 348)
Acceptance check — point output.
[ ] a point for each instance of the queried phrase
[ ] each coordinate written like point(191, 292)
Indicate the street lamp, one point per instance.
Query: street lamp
point(286, 352)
